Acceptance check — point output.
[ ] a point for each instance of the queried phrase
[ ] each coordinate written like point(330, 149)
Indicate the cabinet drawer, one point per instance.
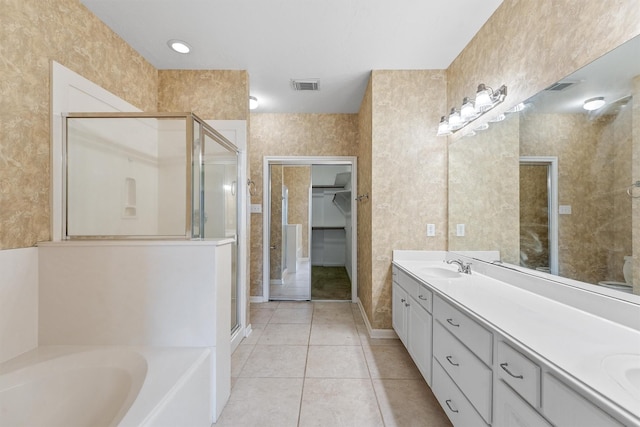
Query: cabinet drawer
point(424, 297)
point(566, 408)
point(474, 336)
point(455, 405)
point(512, 411)
point(406, 282)
point(520, 373)
point(472, 376)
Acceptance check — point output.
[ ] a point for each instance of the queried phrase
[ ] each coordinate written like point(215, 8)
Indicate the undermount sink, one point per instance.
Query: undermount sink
point(439, 272)
point(625, 370)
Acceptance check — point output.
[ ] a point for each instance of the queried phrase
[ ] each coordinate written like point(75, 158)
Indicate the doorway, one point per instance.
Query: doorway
point(309, 249)
point(539, 213)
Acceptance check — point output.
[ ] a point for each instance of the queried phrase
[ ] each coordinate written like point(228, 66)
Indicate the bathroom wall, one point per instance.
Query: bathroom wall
point(41, 31)
point(298, 180)
point(534, 216)
point(292, 135)
point(275, 255)
point(210, 94)
point(365, 135)
point(530, 45)
point(408, 175)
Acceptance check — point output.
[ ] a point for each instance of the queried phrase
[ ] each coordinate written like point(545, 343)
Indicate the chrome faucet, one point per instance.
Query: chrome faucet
point(462, 267)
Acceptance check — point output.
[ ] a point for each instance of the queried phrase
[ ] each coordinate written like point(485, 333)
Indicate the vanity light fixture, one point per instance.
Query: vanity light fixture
point(593, 103)
point(486, 99)
point(253, 103)
point(179, 46)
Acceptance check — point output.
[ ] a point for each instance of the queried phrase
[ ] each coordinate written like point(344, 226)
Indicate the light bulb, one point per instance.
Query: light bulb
point(593, 103)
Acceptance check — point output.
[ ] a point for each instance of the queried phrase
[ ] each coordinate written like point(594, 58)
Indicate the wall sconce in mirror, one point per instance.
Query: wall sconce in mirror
point(486, 99)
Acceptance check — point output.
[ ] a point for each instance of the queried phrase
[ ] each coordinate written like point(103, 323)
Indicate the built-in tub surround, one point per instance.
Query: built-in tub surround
point(107, 386)
point(566, 334)
point(140, 293)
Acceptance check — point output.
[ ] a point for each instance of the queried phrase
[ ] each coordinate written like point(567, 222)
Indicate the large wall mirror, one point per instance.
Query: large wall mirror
point(554, 186)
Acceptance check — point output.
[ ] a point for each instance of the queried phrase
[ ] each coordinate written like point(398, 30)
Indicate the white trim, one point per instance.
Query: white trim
point(552, 183)
point(376, 333)
point(257, 300)
point(266, 211)
point(276, 282)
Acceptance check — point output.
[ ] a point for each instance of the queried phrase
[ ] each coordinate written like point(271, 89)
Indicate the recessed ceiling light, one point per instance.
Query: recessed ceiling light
point(593, 103)
point(179, 46)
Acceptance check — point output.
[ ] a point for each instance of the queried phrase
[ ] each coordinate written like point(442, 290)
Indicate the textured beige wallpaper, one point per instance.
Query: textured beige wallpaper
point(292, 135)
point(483, 190)
point(409, 174)
point(365, 135)
point(34, 32)
point(529, 45)
point(275, 255)
point(210, 94)
point(298, 181)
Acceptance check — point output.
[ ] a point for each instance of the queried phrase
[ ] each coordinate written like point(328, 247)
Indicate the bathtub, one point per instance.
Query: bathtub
point(107, 386)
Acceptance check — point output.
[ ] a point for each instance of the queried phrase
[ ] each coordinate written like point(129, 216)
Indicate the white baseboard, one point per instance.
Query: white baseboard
point(257, 299)
point(276, 282)
point(376, 333)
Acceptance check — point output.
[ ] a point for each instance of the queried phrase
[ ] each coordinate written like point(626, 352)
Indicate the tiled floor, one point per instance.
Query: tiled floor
point(296, 286)
point(313, 364)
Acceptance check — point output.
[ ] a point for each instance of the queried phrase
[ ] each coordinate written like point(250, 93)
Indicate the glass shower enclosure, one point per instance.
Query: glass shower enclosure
point(150, 176)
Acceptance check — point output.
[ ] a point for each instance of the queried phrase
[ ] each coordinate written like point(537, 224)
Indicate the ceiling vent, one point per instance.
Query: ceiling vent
point(557, 87)
point(306, 84)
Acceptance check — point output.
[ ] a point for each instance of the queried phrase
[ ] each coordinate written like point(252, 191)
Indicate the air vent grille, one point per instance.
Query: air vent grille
point(557, 87)
point(306, 84)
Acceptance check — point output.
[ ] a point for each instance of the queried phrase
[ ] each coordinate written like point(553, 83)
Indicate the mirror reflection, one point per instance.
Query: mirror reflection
point(549, 185)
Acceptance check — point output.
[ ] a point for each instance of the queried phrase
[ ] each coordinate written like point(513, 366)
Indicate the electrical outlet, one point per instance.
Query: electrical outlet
point(431, 230)
point(564, 210)
point(256, 208)
point(459, 230)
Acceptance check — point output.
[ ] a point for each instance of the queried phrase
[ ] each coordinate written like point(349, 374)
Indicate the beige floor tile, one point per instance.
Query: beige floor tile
point(334, 334)
point(285, 334)
point(336, 362)
point(261, 315)
point(409, 403)
point(256, 332)
point(296, 304)
point(323, 315)
point(329, 305)
point(287, 315)
point(339, 403)
point(239, 358)
point(264, 305)
point(276, 361)
point(390, 361)
point(264, 402)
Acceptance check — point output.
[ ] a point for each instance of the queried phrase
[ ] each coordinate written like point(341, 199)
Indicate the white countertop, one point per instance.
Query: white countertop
point(572, 340)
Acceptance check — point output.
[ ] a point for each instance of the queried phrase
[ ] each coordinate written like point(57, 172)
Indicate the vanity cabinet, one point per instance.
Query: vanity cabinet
point(412, 320)
point(481, 376)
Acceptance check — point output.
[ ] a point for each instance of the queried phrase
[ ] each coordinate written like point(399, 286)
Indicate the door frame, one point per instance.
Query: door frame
point(552, 186)
point(266, 211)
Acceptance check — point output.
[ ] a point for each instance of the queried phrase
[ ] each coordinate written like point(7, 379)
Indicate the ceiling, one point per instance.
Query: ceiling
point(336, 41)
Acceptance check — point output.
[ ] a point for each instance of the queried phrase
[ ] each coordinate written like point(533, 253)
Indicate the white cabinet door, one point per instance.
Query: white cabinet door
point(512, 411)
point(399, 312)
point(419, 337)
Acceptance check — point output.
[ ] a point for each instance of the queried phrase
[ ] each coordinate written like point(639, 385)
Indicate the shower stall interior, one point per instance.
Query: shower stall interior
point(147, 176)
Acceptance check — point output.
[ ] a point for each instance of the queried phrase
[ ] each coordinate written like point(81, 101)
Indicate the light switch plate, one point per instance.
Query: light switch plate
point(431, 230)
point(459, 230)
point(255, 208)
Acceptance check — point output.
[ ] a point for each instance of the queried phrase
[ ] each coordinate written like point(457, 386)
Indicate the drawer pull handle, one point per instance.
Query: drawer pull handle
point(422, 297)
point(449, 360)
point(402, 300)
point(406, 304)
point(504, 368)
point(448, 402)
point(450, 321)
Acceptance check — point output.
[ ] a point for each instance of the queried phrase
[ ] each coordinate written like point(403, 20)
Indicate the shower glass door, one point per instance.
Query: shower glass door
point(217, 191)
